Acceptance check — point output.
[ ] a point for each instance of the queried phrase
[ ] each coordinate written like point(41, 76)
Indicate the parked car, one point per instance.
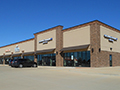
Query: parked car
point(10, 62)
point(23, 63)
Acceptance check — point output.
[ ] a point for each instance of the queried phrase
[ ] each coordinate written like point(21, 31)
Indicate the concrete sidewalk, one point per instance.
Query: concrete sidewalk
point(111, 71)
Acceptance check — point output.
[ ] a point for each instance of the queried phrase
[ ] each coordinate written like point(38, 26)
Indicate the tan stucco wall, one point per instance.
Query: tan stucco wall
point(105, 44)
point(46, 35)
point(27, 46)
point(76, 37)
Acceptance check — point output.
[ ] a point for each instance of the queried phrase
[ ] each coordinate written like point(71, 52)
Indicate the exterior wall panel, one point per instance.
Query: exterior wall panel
point(46, 35)
point(105, 44)
point(27, 46)
point(76, 37)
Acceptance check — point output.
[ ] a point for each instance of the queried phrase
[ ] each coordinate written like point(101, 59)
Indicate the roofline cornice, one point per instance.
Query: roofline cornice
point(17, 42)
point(48, 29)
point(89, 23)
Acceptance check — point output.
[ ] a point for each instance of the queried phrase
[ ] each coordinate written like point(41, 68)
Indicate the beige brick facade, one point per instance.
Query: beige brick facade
point(88, 33)
point(100, 58)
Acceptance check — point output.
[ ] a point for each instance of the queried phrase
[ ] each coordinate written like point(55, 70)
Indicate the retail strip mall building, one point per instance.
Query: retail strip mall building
point(93, 44)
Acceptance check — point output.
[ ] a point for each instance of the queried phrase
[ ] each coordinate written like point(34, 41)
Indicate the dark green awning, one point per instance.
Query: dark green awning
point(17, 54)
point(45, 51)
point(27, 53)
point(75, 48)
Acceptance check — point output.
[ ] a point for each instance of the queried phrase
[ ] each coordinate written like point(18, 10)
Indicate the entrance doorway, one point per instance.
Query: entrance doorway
point(48, 61)
point(77, 59)
point(7, 60)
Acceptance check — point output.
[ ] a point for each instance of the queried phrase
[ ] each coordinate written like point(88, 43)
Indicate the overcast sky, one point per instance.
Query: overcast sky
point(19, 19)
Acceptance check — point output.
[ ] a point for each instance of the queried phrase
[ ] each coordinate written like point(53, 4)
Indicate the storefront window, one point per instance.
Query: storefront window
point(17, 57)
point(46, 60)
point(29, 57)
point(1, 60)
point(7, 59)
point(77, 59)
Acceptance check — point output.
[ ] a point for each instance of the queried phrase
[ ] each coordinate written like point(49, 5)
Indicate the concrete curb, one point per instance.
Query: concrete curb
point(56, 67)
point(4, 65)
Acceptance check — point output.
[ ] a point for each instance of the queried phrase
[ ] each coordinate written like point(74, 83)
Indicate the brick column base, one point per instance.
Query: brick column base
point(3, 61)
point(35, 58)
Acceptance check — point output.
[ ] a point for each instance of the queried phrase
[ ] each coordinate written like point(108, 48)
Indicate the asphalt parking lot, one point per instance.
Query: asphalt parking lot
point(52, 78)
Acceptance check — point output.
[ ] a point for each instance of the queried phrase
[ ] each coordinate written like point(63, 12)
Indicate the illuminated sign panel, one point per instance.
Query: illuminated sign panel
point(17, 49)
point(7, 50)
point(110, 38)
point(45, 41)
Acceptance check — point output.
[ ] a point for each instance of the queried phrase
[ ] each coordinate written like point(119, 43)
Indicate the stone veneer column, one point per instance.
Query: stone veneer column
point(115, 58)
point(35, 48)
point(11, 55)
point(59, 46)
point(4, 59)
point(94, 44)
point(22, 56)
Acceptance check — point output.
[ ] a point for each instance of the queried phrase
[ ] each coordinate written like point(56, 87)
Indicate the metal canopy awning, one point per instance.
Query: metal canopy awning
point(45, 51)
point(27, 53)
point(18, 54)
point(1, 55)
point(7, 55)
point(75, 48)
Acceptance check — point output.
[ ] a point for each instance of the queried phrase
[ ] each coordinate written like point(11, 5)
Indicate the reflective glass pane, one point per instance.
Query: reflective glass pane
point(29, 57)
point(77, 59)
point(7, 59)
point(110, 57)
point(17, 57)
point(46, 60)
point(1, 60)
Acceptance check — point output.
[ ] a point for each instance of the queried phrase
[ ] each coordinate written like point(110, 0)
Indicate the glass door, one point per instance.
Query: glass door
point(48, 61)
point(110, 60)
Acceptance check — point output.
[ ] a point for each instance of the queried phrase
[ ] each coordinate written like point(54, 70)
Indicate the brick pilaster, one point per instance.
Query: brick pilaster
point(59, 46)
point(35, 48)
point(4, 59)
point(94, 44)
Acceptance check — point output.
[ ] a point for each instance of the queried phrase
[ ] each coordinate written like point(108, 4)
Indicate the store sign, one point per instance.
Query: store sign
point(8, 50)
point(17, 49)
point(110, 38)
point(45, 41)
